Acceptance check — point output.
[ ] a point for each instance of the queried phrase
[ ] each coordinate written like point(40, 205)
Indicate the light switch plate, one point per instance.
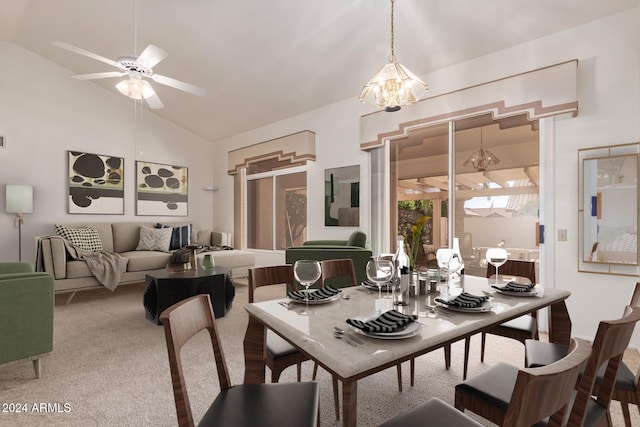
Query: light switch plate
point(562, 235)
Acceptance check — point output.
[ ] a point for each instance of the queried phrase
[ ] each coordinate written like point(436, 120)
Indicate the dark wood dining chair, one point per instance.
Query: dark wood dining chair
point(521, 328)
point(280, 354)
point(342, 269)
point(412, 362)
point(249, 405)
point(626, 388)
point(433, 412)
point(510, 397)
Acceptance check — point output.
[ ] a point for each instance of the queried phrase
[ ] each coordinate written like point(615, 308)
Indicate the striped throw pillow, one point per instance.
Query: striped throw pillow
point(180, 236)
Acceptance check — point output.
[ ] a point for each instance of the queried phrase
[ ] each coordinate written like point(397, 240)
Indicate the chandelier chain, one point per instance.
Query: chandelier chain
point(393, 55)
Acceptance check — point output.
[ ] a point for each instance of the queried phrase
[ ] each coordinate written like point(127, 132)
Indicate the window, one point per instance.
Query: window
point(276, 207)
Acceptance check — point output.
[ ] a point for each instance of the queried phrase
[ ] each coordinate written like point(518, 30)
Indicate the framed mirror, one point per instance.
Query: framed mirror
point(608, 209)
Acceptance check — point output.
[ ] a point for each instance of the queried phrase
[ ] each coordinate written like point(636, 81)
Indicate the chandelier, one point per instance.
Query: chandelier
point(482, 159)
point(393, 85)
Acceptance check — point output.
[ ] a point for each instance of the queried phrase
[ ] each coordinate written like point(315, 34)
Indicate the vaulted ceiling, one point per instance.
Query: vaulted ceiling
point(265, 60)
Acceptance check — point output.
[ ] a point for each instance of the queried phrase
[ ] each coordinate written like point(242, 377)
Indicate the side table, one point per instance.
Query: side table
point(165, 288)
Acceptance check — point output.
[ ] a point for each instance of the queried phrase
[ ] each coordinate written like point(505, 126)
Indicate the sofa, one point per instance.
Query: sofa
point(72, 275)
point(353, 248)
point(26, 314)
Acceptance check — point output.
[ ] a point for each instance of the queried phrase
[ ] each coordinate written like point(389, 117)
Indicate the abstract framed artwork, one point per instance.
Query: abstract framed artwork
point(161, 189)
point(96, 184)
point(342, 196)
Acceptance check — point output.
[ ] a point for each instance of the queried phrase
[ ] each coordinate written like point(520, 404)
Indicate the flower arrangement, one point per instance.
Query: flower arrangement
point(414, 243)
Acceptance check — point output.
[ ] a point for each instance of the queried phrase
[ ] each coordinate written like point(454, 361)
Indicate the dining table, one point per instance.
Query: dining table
point(358, 354)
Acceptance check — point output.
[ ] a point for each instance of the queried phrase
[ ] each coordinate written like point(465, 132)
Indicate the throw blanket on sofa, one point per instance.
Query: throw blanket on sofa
point(107, 267)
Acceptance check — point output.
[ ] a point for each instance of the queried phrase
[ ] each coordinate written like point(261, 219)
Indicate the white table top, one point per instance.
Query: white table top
point(313, 334)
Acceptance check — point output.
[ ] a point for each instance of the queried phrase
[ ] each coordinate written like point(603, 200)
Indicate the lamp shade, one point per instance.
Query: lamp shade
point(19, 198)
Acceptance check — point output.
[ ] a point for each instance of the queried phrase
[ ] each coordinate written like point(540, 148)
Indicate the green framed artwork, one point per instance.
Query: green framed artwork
point(161, 190)
point(96, 183)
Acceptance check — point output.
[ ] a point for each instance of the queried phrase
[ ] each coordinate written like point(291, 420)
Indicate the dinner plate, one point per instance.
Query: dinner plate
point(533, 293)
point(408, 332)
point(486, 306)
point(317, 301)
point(373, 286)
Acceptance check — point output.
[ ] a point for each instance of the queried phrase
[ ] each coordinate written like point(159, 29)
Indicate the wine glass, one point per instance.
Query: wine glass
point(380, 271)
point(444, 257)
point(496, 257)
point(306, 272)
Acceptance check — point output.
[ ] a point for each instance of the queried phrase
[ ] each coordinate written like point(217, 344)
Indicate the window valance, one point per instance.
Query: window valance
point(287, 151)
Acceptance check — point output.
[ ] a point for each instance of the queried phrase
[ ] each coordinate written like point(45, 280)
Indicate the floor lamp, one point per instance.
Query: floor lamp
point(19, 201)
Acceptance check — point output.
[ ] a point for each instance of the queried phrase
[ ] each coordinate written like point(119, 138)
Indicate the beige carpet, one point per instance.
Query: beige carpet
point(110, 368)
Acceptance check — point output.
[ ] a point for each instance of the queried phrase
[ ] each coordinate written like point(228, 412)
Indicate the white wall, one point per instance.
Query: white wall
point(608, 74)
point(44, 113)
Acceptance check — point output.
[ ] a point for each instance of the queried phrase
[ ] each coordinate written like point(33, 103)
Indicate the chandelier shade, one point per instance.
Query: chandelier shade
point(393, 85)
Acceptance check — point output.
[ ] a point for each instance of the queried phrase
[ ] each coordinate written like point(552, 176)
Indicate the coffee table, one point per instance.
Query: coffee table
point(165, 288)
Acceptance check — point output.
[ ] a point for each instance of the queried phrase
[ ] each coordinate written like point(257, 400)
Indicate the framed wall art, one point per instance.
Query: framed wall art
point(96, 183)
point(161, 189)
point(342, 196)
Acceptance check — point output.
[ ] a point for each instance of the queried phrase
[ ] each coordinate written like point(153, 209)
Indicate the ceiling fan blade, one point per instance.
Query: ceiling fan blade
point(187, 87)
point(151, 56)
point(81, 51)
point(104, 75)
point(154, 102)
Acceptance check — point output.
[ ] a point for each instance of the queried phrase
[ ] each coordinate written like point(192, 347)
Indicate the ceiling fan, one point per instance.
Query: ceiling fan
point(137, 71)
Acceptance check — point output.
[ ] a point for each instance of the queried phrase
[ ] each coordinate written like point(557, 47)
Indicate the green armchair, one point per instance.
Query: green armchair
point(26, 314)
point(353, 248)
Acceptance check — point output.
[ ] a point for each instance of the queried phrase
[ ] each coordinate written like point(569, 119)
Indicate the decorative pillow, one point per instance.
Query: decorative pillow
point(180, 236)
point(154, 239)
point(204, 237)
point(86, 238)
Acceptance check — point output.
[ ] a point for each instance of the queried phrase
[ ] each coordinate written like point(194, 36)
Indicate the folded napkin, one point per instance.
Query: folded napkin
point(389, 321)
point(465, 300)
point(320, 294)
point(516, 287)
point(370, 284)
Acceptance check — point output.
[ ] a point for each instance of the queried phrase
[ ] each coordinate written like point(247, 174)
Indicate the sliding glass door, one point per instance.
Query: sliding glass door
point(494, 199)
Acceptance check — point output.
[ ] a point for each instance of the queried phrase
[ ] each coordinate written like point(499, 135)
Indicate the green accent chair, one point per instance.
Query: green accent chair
point(26, 314)
point(353, 248)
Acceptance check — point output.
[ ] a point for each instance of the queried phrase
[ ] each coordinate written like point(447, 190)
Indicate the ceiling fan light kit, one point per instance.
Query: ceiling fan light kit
point(393, 85)
point(135, 88)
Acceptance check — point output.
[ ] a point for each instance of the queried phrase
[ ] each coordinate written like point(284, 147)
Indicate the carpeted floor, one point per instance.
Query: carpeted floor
point(109, 367)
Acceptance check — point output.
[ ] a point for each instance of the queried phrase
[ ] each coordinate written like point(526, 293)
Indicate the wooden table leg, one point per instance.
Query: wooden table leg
point(559, 324)
point(255, 352)
point(349, 403)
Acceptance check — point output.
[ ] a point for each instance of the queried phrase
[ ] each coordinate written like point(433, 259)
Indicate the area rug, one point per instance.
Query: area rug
point(109, 367)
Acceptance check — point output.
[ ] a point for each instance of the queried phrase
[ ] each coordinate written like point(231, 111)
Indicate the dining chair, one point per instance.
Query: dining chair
point(521, 328)
point(280, 354)
point(342, 269)
point(509, 396)
point(433, 412)
point(238, 405)
point(626, 388)
point(412, 362)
